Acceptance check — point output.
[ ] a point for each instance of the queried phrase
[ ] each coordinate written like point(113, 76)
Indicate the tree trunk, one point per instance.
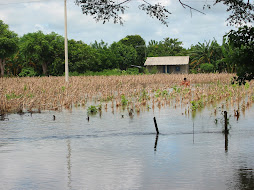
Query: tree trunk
point(44, 68)
point(2, 65)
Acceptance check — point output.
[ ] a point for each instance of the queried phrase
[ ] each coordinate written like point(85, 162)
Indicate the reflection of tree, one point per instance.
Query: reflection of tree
point(244, 180)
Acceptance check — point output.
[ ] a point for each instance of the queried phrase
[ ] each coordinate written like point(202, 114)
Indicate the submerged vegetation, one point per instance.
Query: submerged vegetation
point(131, 92)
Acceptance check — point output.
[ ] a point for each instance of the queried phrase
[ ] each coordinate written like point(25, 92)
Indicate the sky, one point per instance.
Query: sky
point(190, 27)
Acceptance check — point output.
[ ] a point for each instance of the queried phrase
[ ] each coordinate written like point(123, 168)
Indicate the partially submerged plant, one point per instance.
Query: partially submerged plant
point(92, 109)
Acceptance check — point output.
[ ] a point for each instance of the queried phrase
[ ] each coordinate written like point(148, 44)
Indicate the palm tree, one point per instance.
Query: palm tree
point(202, 53)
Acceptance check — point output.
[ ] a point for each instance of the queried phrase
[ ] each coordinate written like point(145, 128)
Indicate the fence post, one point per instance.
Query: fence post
point(155, 125)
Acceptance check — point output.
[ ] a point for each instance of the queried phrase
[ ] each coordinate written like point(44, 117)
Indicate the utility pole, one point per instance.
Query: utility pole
point(66, 44)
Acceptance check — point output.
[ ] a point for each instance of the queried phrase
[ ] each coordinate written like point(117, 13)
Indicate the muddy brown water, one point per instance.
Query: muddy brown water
point(115, 152)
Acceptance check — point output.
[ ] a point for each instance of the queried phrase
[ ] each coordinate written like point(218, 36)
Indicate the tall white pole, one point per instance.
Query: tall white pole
point(66, 44)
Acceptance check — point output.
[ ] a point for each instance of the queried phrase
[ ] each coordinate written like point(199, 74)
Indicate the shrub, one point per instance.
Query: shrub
point(153, 70)
point(27, 72)
point(206, 67)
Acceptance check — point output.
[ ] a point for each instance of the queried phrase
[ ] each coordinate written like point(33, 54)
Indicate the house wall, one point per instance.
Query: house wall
point(170, 69)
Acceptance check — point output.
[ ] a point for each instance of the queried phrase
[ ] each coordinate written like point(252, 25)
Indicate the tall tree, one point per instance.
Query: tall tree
point(137, 42)
point(242, 41)
point(204, 53)
point(82, 57)
point(40, 48)
point(166, 47)
point(105, 55)
point(124, 56)
point(8, 44)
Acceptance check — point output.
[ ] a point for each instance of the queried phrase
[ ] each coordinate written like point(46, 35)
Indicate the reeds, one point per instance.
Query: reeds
point(132, 92)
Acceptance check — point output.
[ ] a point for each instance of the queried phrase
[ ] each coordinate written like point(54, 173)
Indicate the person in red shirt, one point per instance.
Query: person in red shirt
point(185, 82)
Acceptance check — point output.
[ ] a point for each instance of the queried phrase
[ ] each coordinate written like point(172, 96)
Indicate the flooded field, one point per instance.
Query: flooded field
point(116, 151)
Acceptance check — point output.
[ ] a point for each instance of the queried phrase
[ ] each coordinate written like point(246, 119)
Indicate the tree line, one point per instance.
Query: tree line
point(39, 54)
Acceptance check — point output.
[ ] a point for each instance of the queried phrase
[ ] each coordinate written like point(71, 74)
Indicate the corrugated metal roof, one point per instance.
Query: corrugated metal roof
point(167, 60)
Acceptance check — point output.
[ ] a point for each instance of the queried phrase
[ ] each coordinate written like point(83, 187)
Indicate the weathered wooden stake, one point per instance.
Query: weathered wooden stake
point(226, 130)
point(226, 121)
point(155, 125)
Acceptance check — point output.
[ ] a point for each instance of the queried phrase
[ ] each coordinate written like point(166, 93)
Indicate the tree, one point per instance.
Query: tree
point(137, 42)
point(166, 47)
point(8, 44)
point(41, 49)
point(208, 52)
point(227, 62)
point(82, 57)
point(105, 55)
point(242, 12)
point(104, 10)
point(124, 56)
point(242, 41)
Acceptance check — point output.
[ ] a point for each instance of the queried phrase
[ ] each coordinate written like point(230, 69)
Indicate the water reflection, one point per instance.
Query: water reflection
point(243, 179)
point(226, 142)
point(115, 152)
point(69, 165)
point(156, 141)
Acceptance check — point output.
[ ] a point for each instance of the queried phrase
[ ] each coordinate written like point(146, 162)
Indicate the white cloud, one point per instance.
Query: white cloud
point(48, 16)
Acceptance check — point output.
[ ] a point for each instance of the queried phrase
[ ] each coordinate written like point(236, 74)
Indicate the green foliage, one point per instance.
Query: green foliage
point(42, 50)
point(8, 45)
point(75, 73)
point(206, 67)
point(176, 89)
point(208, 52)
point(132, 71)
point(243, 55)
point(43, 54)
point(197, 104)
point(137, 42)
point(227, 62)
point(92, 109)
point(30, 95)
point(27, 72)
point(12, 96)
point(153, 70)
point(124, 101)
point(166, 47)
point(123, 56)
point(247, 85)
point(144, 95)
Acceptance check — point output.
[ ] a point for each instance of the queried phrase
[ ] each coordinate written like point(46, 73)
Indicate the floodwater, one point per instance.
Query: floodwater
point(112, 151)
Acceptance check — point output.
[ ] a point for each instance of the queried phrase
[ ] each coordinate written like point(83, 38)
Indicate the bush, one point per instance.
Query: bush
point(153, 70)
point(132, 71)
point(206, 67)
point(75, 73)
point(27, 72)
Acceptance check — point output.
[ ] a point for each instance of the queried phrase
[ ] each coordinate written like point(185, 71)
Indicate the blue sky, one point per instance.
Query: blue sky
point(24, 16)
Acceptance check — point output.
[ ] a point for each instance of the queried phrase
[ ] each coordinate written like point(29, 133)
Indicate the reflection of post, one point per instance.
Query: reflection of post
point(69, 163)
point(226, 142)
point(155, 144)
point(193, 132)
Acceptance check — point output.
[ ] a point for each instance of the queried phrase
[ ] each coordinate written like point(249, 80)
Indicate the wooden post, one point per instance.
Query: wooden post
point(155, 125)
point(226, 130)
point(226, 121)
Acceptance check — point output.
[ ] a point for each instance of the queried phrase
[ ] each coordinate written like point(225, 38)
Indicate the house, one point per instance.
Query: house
point(169, 64)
